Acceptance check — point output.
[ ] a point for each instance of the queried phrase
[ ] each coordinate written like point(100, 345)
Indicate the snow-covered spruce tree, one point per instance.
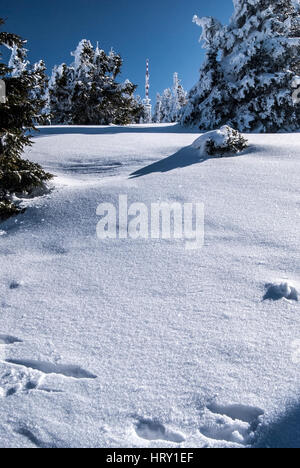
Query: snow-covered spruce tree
point(40, 91)
point(18, 115)
point(18, 65)
point(87, 92)
point(127, 108)
point(157, 115)
point(251, 69)
point(83, 98)
point(98, 98)
point(179, 99)
point(140, 113)
point(168, 107)
point(60, 91)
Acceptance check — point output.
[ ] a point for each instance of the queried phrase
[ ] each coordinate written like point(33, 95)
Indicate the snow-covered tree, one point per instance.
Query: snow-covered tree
point(19, 113)
point(19, 65)
point(82, 103)
point(179, 99)
point(140, 114)
point(87, 92)
point(157, 115)
point(39, 92)
point(18, 62)
point(251, 68)
point(60, 92)
point(168, 107)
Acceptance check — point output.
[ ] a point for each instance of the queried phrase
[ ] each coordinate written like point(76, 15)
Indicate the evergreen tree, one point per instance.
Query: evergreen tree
point(17, 62)
point(18, 115)
point(140, 114)
point(166, 105)
point(251, 68)
point(84, 91)
point(18, 65)
point(157, 116)
point(178, 99)
point(169, 106)
point(39, 92)
point(87, 92)
point(60, 95)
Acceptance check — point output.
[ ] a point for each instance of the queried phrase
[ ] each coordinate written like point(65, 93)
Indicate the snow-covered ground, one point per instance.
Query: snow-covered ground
point(142, 343)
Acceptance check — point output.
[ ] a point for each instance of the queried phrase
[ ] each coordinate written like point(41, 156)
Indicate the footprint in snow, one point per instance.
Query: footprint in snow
point(26, 376)
point(44, 367)
point(153, 430)
point(231, 423)
point(8, 340)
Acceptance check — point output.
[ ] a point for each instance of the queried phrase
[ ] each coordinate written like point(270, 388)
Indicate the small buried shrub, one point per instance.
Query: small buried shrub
point(222, 141)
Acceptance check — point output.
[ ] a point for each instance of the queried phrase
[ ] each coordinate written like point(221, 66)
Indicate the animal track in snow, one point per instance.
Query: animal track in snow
point(72, 371)
point(231, 423)
point(7, 340)
point(277, 291)
point(153, 430)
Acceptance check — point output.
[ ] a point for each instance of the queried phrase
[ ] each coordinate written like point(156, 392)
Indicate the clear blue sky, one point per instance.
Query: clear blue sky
point(159, 29)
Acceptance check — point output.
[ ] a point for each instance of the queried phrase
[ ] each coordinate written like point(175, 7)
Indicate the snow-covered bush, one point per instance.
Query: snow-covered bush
point(221, 141)
point(251, 69)
point(285, 290)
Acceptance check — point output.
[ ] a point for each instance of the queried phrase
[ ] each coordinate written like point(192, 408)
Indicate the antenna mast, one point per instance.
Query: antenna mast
point(147, 100)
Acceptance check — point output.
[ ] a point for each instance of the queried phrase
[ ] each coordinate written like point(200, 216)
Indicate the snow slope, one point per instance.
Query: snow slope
point(123, 343)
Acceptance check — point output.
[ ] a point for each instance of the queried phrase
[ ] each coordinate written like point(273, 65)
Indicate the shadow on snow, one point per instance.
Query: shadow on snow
point(109, 130)
point(185, 157)
point(283, 433)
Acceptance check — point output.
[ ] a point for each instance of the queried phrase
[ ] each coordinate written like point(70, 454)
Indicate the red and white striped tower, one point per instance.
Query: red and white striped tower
point(147, 100)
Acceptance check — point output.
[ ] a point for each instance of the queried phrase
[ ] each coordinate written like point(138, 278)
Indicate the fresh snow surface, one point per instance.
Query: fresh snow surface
point(142, 343)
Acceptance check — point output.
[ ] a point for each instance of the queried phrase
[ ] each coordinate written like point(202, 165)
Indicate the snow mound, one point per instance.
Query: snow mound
point(276, 291)
point(221, 141)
